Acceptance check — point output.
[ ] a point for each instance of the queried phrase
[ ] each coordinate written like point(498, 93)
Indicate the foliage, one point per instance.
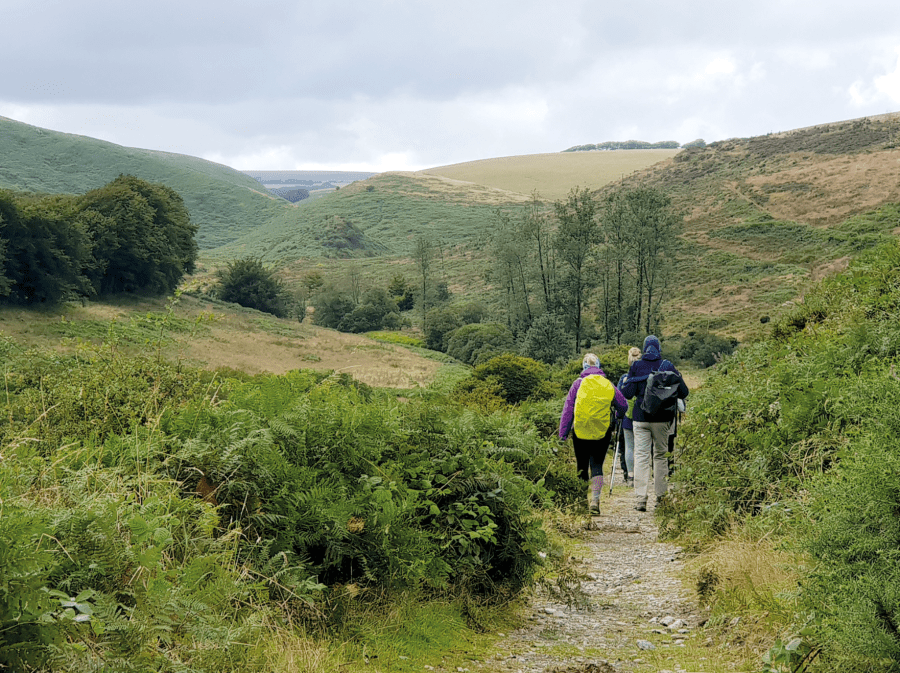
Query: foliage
point(519, 377)
point(249, 283)
point(797, 433)
point(397, 338)
point(129, 236)
point(377, 310)
point(439, 323)
point(402, 292)
point(142, 236)
point(478, 343)
point(330, 308)
point(547, 340)
point(704, 349)
point(155, 515)
point(45, 253)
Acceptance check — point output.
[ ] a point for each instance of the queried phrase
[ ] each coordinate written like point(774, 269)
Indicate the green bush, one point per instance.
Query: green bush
point(330, 307)
point(797, 434)
point(474, 344)
point(704, 349)
point(853, 536)
point(439, 323)
point(249, 283)
point(519, 377)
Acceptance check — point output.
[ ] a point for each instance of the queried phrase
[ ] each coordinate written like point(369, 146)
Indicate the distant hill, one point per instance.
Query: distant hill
point(308, 179)
point(223, 202)
point(379, 216)
point(553, 175)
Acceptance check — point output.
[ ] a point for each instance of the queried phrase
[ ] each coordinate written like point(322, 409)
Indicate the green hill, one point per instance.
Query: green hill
point(380, 216)
point(223, 202)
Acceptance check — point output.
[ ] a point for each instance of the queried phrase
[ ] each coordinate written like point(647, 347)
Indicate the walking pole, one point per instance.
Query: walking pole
point(615, 457)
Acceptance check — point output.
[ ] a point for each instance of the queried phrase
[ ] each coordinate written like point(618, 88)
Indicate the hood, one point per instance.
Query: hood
point(592, 370)
point(651, 348)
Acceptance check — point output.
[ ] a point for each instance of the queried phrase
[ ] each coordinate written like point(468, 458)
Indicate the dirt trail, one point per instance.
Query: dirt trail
point(639, 606)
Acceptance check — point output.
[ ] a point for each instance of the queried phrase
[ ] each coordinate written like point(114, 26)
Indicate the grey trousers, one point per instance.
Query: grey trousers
point(647, 435)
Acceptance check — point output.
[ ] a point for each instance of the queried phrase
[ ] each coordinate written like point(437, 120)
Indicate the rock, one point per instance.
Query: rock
point(667, 620)
point(677, 624)
point(645, 645)
point(550, 611)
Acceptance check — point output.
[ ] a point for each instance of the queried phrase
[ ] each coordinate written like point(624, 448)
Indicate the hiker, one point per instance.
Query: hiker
point(590, 418)
point(651, 428)
point(627, 438)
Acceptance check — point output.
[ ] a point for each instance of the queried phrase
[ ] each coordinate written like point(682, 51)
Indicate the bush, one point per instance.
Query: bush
point(473, 344)
point(518, 376)
point(439, 323)
point(705, 349)
point(249, 283)
point(547, 340)
point(371, 313)
point(330, 307)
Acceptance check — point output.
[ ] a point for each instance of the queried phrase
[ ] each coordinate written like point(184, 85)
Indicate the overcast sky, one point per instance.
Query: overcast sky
point(400, 85)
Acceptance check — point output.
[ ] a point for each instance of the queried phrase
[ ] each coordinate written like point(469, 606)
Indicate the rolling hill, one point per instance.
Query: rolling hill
point(764, 216)
point(553, 175)
point(223, 202)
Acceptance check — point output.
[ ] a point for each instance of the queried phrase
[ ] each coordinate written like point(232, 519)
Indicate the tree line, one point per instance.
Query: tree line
point(610, 258)
point(127, 236)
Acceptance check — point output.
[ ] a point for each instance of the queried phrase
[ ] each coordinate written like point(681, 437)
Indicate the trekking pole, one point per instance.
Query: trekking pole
point(612, 474)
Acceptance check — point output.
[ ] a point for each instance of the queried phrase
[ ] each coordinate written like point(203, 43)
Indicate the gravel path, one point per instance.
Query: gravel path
point(636, 596)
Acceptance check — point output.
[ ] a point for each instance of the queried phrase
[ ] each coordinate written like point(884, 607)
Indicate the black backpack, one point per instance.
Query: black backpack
point(661, 393)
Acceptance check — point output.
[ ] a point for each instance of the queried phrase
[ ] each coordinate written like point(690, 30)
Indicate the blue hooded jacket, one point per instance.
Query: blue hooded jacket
point(636, 381)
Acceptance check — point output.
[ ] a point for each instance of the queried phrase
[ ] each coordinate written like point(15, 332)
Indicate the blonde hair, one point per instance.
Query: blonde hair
point(590, 360)
point(634, 353)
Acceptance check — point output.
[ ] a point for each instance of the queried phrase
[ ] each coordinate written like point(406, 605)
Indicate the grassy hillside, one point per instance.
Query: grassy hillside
point(213, 335)
point(381, 216)
point(223, 202)
point(552, 175)
point(765, 216)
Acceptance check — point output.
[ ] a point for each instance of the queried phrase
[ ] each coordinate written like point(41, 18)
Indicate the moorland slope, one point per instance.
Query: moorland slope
point(223, 202)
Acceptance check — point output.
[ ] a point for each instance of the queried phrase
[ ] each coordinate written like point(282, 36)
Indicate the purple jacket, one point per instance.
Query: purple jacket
point(568, 413)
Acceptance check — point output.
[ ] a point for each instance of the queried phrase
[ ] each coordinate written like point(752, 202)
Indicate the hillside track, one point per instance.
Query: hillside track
point(636, 599)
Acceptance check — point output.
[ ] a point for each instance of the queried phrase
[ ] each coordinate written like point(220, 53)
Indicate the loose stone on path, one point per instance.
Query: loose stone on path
point(632, 581)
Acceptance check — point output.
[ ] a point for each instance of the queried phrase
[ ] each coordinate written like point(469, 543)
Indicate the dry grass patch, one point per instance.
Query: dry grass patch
point(236, 338)
point(750, 590)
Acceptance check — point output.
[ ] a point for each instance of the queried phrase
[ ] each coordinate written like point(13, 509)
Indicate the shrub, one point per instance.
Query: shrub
point(371, 313)
point(249, 283)
point(330, 307)
point(547, 340)
point(706, 348)
point(439, 323)
point(478, 343)
point(519, 377)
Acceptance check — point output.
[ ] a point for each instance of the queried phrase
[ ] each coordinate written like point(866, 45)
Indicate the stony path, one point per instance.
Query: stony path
point(637, 602)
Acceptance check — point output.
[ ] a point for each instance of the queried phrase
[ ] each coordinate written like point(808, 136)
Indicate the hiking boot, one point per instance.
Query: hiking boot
point(594, 507)
point(629, 483)
point(641, 507)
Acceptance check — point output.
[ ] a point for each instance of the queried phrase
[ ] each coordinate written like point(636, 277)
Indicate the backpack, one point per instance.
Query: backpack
point(593, 404)
point(661, 393)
